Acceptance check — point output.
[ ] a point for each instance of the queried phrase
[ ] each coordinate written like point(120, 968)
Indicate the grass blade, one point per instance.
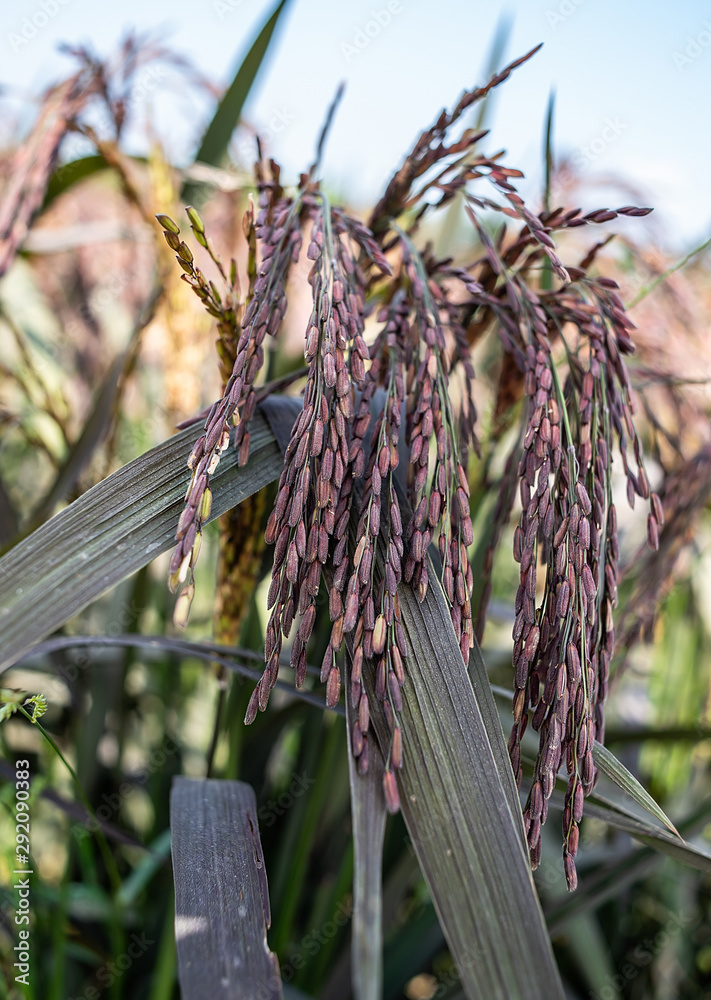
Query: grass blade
point(621, 817)
point(548, 152)
point(492, 721)
point(230, 657)
point(644, 292)
point(69, 174)
point(494, 59)
point(616, 771)
point(101, 416)
point(609, 880)
point(221, 894)
point(369, 816)
point(114, 529)
point(604, 759)
point(663, 842)
point(147, 867)
point(459, 816)
point(219, 132)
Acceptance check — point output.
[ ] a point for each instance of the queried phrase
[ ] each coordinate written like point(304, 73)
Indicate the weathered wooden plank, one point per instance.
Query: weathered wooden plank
point(221, 893)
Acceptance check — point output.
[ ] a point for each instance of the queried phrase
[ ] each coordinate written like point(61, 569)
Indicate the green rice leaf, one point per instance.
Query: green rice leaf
point(616, 771)
point(114, 529)
point(219, 132)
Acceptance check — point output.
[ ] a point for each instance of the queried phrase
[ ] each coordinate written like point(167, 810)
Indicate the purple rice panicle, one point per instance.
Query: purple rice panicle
point(278, 236)
point(684, 497)
point(372, 606)
point(563, 647)
point(310, 513)
point(438, 490)
point(563, 633)
point(429, 150)
point(563, 349)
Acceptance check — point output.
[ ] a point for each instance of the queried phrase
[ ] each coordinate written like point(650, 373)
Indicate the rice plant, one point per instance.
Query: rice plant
point(390, 450)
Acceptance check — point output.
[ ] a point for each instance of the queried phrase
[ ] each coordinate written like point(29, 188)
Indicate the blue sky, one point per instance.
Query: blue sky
point(632, 81)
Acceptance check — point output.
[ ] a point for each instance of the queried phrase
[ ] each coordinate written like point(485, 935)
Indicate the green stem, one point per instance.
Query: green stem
point(115, 930)
point(108, 857)
point(165, 970)
point(309, 822)
point(644, 292)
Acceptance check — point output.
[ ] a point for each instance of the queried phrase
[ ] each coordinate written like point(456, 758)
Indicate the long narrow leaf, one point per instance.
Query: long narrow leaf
point(621, 817)
point(231, 657)
point(460, 818)
point(221, 894)
point(490, 714)
point(219, 132)
point(110, 532)
point(99, 419)
point(616, 771)
point(611, 767)
point(369, 815)
point(608, 880)
point(663, 842)
point(69, 174)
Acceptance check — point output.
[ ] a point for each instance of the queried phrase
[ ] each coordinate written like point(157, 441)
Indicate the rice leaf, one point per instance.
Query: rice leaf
point(221, 894)
point(616, 771)
point(608, 880)
point(69, 174)
point(9, 521)
point(369, 815)
point(147, 867)
point(114, 529)
point(490, 714)
point(621, 817)
point(666, 843)
point(102, 414)
point(219, 132)
point(460, 817)
point(231, 658)
point(604, 759)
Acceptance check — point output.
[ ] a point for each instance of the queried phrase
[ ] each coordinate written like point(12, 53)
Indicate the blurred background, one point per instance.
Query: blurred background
point(643, 66)
point(103, 351)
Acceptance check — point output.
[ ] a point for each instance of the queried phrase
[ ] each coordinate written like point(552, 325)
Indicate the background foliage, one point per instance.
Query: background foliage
point(104, 353)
